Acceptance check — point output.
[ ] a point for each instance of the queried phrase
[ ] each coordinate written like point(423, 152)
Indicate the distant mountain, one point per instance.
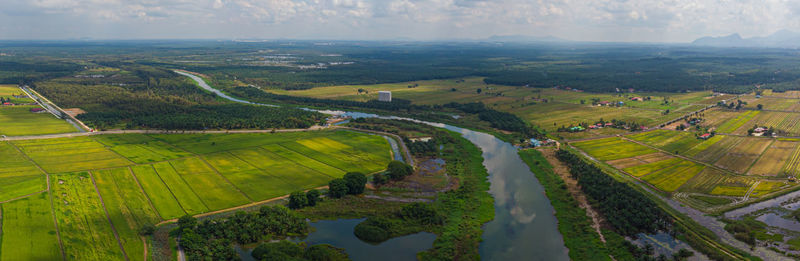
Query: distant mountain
point(779, 39)
point(524, 38)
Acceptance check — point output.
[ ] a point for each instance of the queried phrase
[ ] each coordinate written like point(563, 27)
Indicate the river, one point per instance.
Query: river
point(524, 227)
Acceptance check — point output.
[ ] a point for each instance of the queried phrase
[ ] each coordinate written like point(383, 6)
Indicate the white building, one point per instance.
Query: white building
point(385, 96)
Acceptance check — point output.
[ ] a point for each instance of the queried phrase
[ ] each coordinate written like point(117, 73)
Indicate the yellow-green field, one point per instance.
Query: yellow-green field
point(105, 188)
point(546, 107)
point(20, 121)
point(13, 94)
point(768, 160)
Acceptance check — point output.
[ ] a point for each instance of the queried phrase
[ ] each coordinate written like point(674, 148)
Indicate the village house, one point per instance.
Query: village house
point(705, 136)
point(637, 99)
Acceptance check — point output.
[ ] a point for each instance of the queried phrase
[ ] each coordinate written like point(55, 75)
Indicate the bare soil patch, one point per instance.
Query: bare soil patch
point(74, 111)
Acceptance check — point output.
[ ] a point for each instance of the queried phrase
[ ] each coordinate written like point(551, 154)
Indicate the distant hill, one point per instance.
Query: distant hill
point(779, 39)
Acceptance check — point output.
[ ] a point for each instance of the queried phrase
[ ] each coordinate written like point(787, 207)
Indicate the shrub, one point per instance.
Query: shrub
point(399, 170)
point(337, 188)
point(313, 197)
point(298, 200)
point(370, 233)
point(355, 182)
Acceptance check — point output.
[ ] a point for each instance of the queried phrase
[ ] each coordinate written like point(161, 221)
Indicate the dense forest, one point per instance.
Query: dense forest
point(626, 209)
point(145, 97)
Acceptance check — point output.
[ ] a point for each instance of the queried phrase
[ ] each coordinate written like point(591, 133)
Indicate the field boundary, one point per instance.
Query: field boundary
point(141, 189)
point(224, 178)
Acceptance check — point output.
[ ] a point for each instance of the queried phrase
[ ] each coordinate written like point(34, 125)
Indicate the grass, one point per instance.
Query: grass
point(28, 230)
point(187, 198)
point(14, 187)
point(671, 178)
point(765, 187)
point(730, 191)
point(70, 154)
point(601, 148)
point(158, 192)
point(127, 207)
point(648, 168)
point(14, 163)
point(672, 141)
point(82, 221)
point(575, 226)
point(20, 121)
point(215, 192)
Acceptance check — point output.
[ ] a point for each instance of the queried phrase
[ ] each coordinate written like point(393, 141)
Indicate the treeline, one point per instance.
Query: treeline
point(626, 209)
point(213, 239)
point(497, 119)
point(201, 117)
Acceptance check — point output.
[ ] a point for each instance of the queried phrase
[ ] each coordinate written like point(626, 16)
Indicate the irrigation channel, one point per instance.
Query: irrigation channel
point(524, 227)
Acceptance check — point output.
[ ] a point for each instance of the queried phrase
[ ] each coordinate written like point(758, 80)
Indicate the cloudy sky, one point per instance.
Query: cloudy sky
point(586, 20)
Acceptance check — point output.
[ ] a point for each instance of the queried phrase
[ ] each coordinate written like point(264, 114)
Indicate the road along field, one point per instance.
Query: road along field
point(103, 189)
point(710, 171)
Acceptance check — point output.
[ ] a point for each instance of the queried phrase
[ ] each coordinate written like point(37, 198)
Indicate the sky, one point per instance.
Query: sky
point(580, 20)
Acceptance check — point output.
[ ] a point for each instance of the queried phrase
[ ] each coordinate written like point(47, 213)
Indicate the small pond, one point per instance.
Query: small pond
point(339, 233)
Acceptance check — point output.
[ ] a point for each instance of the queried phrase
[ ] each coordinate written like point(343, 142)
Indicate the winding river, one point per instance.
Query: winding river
point(524, 227)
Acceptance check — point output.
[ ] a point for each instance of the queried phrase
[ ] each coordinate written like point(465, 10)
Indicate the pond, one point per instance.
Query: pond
point(339, 233)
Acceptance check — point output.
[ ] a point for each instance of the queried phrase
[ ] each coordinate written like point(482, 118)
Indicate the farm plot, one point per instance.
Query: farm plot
point(716, 116)
point(768, 186)
point(140, 148)
point(792, 167)
point(674, 175)
point(187, 198)
point(28, 230)
point(215, 192)
point(601, 148)
point(718, 149)
point(703, 146)
point(13, 163)
point(210, 143)
point(672, 141)
point(20, 121)
point(70, 154)
point(785, 123)
point(774, 158)
point(740, 120)
point(741, 157)
point(14, 94)
point(85, 231)
point(127, 207)
point(337, 154)
point(14, 187)
point(648, 168)
point(158, 192)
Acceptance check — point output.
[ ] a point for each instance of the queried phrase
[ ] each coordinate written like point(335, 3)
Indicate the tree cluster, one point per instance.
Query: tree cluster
point(212, 239)
point(625, 208)
point(353, 183)
point(286, 250)
point(377, 229)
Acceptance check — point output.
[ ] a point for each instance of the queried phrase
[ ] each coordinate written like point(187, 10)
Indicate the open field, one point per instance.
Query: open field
point(673, 141)
point(731, 125)
point(28, 230)
point(671, 177)
point(82, 220)
point(612, 148)
point(718, 149)
point(741, 157)
point(125, 182)
point(774, 158)
point(19, 121)
point(8, 92)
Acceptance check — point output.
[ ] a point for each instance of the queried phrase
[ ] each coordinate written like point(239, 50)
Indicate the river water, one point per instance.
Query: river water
point(524, 227)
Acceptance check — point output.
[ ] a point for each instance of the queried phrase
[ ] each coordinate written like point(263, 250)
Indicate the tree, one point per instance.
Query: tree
point(298, 200)
point(337, 188)
point(313, 197)
point(479, 90)
point(355, 182)
point(379, 179)
point(398, 170)
point(760, 106)
point(187, 222)
point(147, 230)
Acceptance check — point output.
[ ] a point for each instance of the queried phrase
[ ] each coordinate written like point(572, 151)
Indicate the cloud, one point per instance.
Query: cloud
point(594, 20)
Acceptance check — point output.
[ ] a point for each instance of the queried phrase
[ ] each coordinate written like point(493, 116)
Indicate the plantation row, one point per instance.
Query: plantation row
point(665, 171)
point(139, 180)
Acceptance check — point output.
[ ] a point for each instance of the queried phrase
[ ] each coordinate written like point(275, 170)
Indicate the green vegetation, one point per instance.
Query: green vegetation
point(286, 250)
point(601, 148)
point(20, 121)
point(28, 230)
point(573, 223)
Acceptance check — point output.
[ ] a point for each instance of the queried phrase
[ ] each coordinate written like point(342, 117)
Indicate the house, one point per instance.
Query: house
point(759, 130)
point(576, 128)
point(637, 99)
point(8, 103)
point(535, 142)
point(705, 136)
point(592, 126)
point(620, 103)
point(422, 139)
point(36, 110)
point(758, 96)
point(385, 96)
point(604, 103)
point(608, 124)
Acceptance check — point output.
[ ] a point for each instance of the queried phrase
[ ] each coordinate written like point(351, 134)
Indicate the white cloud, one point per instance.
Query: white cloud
point(601, 20)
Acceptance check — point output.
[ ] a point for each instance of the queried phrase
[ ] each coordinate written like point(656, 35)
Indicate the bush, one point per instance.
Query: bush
point(313, 197)
point(370, 233)
point(298, 200)
point(325, 252)
point(282, 250)
point(147, 230)
point(337, 188)
point(399, 170)
point(379, 179)
point(355, 182)
point(422, 213)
